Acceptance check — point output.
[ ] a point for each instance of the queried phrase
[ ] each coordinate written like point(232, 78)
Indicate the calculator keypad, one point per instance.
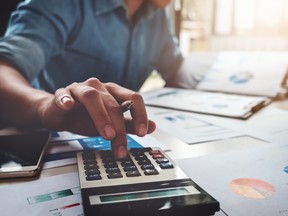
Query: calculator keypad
point(135, 164)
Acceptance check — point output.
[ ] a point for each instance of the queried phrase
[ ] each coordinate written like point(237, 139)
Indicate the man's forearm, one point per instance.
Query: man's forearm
point(19, 100)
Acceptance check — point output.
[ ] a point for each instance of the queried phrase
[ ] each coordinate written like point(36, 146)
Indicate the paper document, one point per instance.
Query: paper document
point(269, 124)
point(50, 196)
point(187, 128)
point(248, 73)
point(229, 105)
point(248, 182)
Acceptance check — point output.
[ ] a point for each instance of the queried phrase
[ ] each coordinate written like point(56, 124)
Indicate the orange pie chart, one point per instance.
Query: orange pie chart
point(252, 188)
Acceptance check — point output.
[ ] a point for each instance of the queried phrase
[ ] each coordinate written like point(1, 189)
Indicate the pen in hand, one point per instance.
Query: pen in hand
point(126, 105)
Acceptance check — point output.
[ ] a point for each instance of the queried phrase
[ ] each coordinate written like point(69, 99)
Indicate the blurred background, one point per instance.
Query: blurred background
point(227, 25)
point(216, 25)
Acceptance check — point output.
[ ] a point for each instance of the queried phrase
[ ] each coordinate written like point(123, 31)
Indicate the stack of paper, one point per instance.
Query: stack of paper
point(236, 84)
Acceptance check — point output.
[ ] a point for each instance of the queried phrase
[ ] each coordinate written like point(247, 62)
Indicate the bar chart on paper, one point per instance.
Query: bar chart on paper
point(74, 207)
point(188, 128)
point(43, 197)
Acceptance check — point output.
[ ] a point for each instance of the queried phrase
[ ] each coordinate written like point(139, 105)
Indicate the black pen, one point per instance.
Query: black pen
point(126, 105)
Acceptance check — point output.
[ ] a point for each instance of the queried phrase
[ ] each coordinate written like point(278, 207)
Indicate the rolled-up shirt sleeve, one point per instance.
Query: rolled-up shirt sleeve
point(23, 54)
point(37, 31)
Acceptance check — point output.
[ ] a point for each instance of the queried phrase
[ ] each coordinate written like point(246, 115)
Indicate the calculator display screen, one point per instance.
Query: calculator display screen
point(144, 195)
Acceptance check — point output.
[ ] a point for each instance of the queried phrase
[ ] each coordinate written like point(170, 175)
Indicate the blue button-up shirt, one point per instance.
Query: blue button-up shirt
point(57, 42)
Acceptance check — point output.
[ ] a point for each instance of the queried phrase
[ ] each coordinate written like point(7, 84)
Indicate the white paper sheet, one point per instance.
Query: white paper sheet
point(187, 128)
point(248, 182)
point(269, 124)
point(58, 195)
point(249, 73)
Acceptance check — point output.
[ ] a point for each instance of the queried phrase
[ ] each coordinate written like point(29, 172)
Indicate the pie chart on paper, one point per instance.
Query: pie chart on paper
point(252, 188)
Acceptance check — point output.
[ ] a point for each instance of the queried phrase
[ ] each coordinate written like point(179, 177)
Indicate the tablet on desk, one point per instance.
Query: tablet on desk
point(21, 154)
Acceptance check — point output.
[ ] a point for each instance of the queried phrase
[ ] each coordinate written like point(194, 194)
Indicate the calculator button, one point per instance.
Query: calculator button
point(92, 172)
point(110, 165)
point(144, 162)
point(141, 157)
point(126, 160)
point(162, 160)
point(147, 166)
point(147, 149)
point(152, 152)
point(129, 168)
point(108, 160)
point(136, 153)
point(93, 177)
point(151, 172)
point(139, 151)
point(127, 163)
point(114, 175)
point(133, 173)
point(166, 165)
point(89, 161)
point(155, 156)
point(112, 170)
point(133, 150)
point(91, 166)
point(88, 155)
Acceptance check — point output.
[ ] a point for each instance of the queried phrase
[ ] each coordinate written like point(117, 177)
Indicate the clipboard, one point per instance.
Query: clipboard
point(213, 103)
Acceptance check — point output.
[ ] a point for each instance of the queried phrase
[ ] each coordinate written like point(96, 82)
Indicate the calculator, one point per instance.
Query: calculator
point(146, 182)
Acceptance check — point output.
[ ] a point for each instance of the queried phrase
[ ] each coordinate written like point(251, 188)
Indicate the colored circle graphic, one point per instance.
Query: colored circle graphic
point(286, 169)
point(241, 77)
point(252, 188)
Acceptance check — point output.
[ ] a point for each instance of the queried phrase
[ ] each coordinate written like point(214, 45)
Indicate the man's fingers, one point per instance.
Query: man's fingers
point(115, 114)
point(102, 102)
point(129, 124)
point(91, 99)
point(105, 113)
point(63, 99)
point(138, 111)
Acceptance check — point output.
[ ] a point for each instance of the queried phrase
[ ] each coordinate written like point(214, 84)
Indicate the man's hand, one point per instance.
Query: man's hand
point(89, 108)
point(93, 108)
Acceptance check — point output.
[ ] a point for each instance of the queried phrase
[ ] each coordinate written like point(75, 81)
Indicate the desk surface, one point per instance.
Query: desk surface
point(272, 120)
